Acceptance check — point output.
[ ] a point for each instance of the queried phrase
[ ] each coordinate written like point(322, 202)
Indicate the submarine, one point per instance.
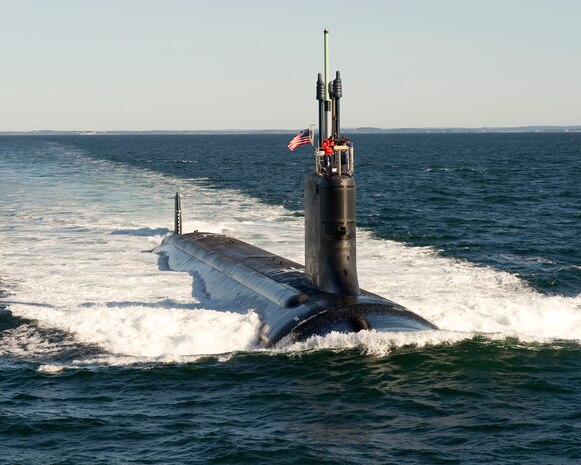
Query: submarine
point(295, 301)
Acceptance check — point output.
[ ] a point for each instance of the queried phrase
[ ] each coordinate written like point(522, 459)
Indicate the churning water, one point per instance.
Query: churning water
point(108, 356)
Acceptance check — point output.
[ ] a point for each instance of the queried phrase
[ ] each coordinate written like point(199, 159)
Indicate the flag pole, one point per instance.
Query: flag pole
point(328, 116)
point(326, 51)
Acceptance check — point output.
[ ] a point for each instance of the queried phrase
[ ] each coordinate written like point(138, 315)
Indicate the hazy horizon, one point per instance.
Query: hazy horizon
point(531, 128)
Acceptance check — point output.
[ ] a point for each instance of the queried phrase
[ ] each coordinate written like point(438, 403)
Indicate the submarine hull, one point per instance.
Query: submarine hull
point(294, 301)
point(278, 291)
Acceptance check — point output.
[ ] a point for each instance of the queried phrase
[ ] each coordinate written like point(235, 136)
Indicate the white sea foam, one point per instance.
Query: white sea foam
point(459, 296)
point(153, 332)
point(77, 244)
point(378, 343)
point(25, 341)
point(50, 369)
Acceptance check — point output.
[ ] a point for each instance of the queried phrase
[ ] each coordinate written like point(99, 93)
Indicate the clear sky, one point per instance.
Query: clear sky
point(219, 64)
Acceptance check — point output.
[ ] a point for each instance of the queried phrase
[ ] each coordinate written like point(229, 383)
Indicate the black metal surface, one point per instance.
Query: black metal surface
point(321, 99)
point(330, 247)
point(337, 94)
point(178, 214)
point(276, 289)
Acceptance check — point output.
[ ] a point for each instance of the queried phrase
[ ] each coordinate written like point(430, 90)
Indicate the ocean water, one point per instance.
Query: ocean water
point(107, 356)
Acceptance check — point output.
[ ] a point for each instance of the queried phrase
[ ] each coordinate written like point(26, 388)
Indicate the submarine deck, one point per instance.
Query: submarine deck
point(268, 264)
point(276, 289)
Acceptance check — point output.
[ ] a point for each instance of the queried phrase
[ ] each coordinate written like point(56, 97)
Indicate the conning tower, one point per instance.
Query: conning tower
point(330, 192)
point(295, 302)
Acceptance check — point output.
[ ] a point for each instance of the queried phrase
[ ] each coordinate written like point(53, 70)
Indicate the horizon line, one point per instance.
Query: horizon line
point(528, 128)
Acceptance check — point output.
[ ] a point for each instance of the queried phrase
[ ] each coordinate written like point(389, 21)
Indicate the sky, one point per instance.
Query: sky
point(252, 64)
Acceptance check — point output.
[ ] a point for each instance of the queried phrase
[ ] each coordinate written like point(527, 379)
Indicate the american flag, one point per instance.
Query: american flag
point(302, 138)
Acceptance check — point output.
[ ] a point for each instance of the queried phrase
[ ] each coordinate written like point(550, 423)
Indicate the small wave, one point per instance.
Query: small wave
point(516, 259)
point(382, 343)
point(50, 369)
point(376, 343)
point(28, 341)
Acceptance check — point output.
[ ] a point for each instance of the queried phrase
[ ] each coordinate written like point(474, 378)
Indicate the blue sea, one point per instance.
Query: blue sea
point(107, 356)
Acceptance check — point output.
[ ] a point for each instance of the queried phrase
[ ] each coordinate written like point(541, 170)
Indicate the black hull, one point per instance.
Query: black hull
point(277, 290)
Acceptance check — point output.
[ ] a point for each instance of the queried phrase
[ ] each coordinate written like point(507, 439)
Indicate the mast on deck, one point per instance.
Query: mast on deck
point(330, 248)
point(334, 153)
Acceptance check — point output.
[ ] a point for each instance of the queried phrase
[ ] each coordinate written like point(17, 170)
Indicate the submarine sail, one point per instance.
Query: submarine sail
point(295, 302)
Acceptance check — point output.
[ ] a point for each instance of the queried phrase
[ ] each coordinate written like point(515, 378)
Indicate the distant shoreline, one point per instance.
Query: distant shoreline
point(359, 130)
